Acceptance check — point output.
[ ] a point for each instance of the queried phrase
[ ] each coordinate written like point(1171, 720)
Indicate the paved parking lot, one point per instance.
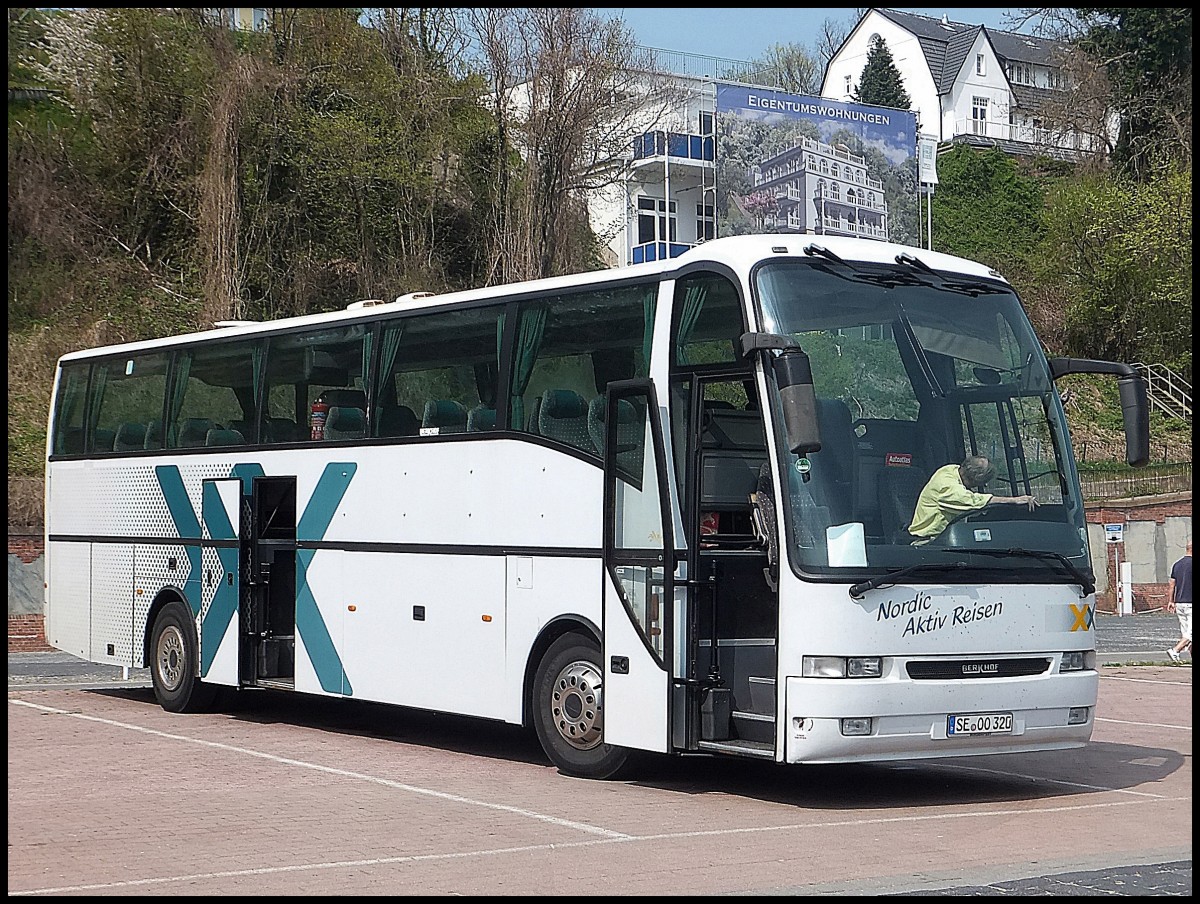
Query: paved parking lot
point(110, 795)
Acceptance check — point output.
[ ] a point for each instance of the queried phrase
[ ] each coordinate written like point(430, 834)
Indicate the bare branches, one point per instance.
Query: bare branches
point(570, 96)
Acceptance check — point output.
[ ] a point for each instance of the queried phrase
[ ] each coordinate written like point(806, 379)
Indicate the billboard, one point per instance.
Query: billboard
point(793, 164)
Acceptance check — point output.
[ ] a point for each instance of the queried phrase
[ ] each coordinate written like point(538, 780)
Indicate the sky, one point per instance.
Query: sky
point(741, 33)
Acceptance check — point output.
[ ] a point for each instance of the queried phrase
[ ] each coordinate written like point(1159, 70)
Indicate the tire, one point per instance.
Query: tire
point(568, 711)
point(175, 662)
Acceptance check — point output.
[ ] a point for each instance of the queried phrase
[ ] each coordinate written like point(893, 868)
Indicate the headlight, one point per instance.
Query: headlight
point(842, 667)
point(1072, 661)
point(864, 667)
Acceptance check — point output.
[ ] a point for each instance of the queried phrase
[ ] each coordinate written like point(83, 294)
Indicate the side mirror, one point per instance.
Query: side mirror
point(1135, 406)
point(793, 377)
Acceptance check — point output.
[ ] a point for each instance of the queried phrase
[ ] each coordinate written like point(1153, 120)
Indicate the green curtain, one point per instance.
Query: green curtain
point(95, 398)
point(530, 328)
point(648, 306)
point(366, 360)
point(183, 367)
point(693, 302)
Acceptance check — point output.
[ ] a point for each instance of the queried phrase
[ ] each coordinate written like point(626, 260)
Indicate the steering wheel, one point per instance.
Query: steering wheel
point(962, 517)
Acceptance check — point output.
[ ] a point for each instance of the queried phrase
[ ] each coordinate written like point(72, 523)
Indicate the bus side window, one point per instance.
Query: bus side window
point(438, 373)
point(308, 375)
point(129, 394)
point(70, 407)
point(569, 348)
point(213, 388)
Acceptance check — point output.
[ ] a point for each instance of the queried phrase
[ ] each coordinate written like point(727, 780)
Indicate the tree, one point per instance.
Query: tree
point(986, 209)
point(1145, 55)
point(790, 68)
point(1114, 267)
point(881, 83)
point(570, 92)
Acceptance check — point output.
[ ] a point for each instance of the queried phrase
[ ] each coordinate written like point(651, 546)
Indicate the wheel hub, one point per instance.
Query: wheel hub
point(576, 705)
point(171, 658)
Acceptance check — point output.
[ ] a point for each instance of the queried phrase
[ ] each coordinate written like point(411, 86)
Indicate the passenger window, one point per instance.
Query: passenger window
point(69, 410)
point(439, 373)
point(127, 398)
point(708, 320)
point(213, 390)
point(568, 349)
point(316, 385)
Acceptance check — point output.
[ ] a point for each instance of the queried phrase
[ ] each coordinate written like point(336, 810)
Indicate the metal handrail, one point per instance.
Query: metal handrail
point(1167, 390)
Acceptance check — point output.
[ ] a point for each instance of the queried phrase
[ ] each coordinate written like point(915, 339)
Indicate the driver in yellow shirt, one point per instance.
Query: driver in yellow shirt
point(952, 490)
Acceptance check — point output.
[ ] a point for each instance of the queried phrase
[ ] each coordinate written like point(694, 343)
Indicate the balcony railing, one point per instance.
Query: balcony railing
point(698, 65)
point(853, 228)
point(673, 144)
point(657, 251)
point(1003, 131)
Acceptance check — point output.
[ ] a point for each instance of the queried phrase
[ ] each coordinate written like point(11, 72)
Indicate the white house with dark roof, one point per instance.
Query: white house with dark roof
point(967, 83)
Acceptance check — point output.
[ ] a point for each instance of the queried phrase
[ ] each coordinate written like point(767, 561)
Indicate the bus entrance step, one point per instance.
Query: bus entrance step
point(740, 748)
point(762, 695)
point(755, 727)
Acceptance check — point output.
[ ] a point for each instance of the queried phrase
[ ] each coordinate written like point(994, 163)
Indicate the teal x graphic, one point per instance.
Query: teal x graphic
point(313, 523)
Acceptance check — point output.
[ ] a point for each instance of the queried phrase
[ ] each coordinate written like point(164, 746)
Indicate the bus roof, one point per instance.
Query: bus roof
point(737, 252)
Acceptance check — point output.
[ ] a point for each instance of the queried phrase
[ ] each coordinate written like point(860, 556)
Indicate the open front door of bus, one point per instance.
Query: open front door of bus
point(638, 571)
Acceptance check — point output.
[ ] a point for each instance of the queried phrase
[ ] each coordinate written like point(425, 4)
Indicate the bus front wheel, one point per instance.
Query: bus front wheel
point(175, 662)
point(568, 710)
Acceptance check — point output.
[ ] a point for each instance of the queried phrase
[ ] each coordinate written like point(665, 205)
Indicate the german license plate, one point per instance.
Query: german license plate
point(979, 723)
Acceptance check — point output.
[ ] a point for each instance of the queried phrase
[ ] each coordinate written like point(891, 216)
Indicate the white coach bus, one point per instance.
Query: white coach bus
point(659, 508)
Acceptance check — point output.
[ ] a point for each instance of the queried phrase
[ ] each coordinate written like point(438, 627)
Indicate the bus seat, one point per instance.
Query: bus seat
point(219, 437)
point(899, 487)
point(531, 426)
point(563, 416)
point(129, 436)
point(194, 431)
point(447, 415)
point(245, 428)
point(481, 418)
point(72, 441)
point(345, 423)
point(344, 398)
point(398, 420)
point(281, 430)
point(629, 427)
point(153, 438)
point(837, 457)
point(102, 440)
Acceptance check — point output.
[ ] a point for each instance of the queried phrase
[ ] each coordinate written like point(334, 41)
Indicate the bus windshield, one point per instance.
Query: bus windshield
point(916, 373)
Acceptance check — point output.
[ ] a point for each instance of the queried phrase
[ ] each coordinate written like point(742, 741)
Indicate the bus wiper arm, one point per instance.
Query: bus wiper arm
point(973, 289)
point(1086, 584)
point(886, 580)
point(814, 248)
point(888, 280)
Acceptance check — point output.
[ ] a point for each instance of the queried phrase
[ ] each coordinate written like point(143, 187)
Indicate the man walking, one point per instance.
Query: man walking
point(1179, 601)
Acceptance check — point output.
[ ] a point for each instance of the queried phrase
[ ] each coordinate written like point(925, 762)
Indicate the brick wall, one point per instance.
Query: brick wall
point(1146, 509)
point(26, 633)
point(26, 547)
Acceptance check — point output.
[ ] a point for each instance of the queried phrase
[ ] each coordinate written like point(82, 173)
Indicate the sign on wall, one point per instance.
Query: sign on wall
point(791, 163)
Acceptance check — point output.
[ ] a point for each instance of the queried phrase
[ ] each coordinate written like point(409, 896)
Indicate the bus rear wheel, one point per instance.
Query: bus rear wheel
point(568, 710)
point(175, 662)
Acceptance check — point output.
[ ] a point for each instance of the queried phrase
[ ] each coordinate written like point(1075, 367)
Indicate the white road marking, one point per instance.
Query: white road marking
point(623, 839)
point(608, 836)
point(401, 786)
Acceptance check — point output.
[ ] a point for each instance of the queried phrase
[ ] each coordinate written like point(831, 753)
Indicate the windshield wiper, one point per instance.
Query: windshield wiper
point(1085, 583)
point(886, 580)
point(974, 289)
